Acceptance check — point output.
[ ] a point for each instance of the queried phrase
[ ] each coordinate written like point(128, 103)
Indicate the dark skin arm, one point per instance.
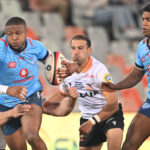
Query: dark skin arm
point(17, 111)
point(69, 69)
point(131, 80)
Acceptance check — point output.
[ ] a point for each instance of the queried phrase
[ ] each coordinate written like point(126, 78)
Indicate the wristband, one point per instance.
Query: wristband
point(95, 119)
point(3, 89)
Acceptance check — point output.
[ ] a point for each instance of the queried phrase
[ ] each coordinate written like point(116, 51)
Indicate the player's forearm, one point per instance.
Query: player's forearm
point(131, 80)
point(5, 116)
point(108, 110)
point(65, 107)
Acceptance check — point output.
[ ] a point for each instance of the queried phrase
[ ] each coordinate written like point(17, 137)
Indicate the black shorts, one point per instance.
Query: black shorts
point(145, 108)
point(98, 133)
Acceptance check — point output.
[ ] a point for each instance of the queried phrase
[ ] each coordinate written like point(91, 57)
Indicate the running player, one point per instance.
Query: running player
point(139, 129)
point(101, 113)
point(18, 67)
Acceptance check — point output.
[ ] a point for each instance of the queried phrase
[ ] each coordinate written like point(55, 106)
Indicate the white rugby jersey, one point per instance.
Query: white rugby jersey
point(90, 100)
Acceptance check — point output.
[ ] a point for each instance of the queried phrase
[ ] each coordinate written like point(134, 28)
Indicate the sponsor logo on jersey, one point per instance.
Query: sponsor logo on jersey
point(12, 65)
point(90, 76)
point(107, 77)
point(146, 105)
point(143, 59)
point(88, 87)
point(24, 72)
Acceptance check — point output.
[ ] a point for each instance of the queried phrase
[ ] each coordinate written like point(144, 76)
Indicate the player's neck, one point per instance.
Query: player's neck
point(82, 66)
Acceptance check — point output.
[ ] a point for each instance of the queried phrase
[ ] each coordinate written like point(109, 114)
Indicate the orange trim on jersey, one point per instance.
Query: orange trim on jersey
point(86, 68)
point(4, 42)
point(63, 93)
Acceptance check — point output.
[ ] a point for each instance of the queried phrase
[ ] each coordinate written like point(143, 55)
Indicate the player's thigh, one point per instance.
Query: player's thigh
point(32, 120)
point(138, 130)
point(114, 138)
point(16, 141)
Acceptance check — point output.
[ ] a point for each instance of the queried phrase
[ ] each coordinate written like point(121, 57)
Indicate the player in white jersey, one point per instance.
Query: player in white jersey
point(101, 113)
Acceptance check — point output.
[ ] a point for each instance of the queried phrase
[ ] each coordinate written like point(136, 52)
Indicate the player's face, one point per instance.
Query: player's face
point(80, 52)
point(146, 23)
point(16, 36)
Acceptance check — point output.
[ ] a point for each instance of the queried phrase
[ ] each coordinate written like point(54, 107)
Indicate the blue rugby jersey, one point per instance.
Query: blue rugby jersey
point(20, 68)
point(143, 60)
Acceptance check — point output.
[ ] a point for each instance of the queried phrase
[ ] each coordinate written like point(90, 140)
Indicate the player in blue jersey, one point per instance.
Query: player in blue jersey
point(19, 85)
point(16, 112)
point(139, 129)
point(18, 67)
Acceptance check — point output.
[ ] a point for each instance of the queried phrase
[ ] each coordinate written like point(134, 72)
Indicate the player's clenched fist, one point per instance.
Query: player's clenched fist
point(72, 92)
point(20, 110)
point(17, 91)
point(86, 127)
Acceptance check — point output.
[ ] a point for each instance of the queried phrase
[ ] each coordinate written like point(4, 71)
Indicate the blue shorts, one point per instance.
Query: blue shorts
point(145, 108)
point(14, 124)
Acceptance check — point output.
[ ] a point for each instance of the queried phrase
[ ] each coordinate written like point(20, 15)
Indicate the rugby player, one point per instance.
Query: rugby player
point(138, 130)
point(101, 113)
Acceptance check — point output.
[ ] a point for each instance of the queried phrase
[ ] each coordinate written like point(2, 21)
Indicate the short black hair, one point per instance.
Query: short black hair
point(146, 8)
point(15, 21)
point(82, 37)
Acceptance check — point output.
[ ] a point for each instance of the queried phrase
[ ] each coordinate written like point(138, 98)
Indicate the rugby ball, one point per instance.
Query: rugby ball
point(52, 63)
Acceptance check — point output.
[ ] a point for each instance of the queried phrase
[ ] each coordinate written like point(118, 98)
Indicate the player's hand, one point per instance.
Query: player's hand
point(86, 127)
point(107, 87)
point(20, 110)
point(17, 91)
point(68, 70)
point(72, 92)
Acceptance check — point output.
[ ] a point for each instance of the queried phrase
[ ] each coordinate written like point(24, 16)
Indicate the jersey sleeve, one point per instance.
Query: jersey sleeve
point(2, 47)
point(43, 52)
point(63, 88)
point(138, 62)
point(102, 75)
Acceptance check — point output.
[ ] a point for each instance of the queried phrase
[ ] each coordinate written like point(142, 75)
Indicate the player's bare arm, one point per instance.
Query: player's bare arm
point(17, 91)
point(106, 112)
point(131, 80)
point(61, 105)
point(17, 111)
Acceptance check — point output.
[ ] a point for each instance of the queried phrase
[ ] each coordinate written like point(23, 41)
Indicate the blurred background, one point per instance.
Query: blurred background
point(114, 27)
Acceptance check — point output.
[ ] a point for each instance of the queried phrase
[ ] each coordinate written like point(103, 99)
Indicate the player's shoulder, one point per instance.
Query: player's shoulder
point(34, 43)
point(97, 64)
point(143, 42)
point(3, 42)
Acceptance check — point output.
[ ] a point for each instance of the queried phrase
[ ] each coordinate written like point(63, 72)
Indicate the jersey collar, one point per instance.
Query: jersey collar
point(87, 67)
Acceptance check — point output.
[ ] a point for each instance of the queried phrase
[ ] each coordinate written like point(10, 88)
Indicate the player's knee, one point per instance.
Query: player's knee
point(32, 138)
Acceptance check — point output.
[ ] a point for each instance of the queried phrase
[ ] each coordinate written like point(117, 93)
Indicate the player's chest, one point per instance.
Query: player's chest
point(15, 62)
point(84, 82)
